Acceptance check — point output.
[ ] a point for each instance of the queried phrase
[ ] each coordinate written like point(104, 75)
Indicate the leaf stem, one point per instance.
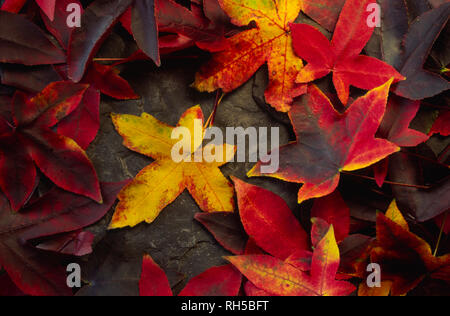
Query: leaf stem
point(108, 59)
point(212, 117)
point(426, 159)
point(440, 234)
point(388, 182)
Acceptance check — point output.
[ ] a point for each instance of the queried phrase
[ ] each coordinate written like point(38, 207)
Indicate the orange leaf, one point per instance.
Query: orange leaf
point(270, 42)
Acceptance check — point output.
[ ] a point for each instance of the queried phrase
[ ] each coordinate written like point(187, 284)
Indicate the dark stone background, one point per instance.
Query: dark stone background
point(180, 245)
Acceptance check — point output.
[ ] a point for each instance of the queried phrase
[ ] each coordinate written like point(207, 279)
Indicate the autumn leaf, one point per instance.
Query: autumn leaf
point(85, 41)
point(107, 80)
point(400, 112)
point(441, 125)
point(14, 6)
point(324, 12)
point(270, 42)
point(342, 55)
point(59, 26)
point(421, 203)
point(159, 184)
point(29, 79)
point(329, 142)
point(24, 43)
point(227, 230)
point(420, 83)
point(405, 258)
point(334, 211)
point(275, 276)
point(30, 140)
point(145, 28)
point(78, 243)
point(82, 124)
point(269, 222)
point(216, 281)
point(153, 281)
point(37, 272)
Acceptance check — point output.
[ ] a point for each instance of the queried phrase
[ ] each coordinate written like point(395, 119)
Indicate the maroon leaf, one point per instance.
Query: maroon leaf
point(22, 42)
point(59, 27)
point(76, 244)
point(419, 83)
point(145, 29)
point(85, 41)
point(107, 80)
point(226, 228)
point(36, 272)
point(82, 125)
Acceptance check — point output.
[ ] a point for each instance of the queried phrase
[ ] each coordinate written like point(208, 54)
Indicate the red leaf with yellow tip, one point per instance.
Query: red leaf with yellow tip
point(342, 55)
point(269, 221)
point(405, 258)
point(275, 276)
point(329, 142)
point(270, 42)
point(31, 140)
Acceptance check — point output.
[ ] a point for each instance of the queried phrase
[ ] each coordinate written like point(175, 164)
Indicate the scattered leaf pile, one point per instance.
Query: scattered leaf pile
point(368, 108)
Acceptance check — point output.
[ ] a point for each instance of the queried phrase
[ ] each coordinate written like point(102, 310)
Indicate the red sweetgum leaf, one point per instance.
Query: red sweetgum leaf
point(342, 55)
point(404, 257)
point(275, 276)
point(329, 142)
point(107, 80)
point(48, 7)
point(82, 125)
point(217, 281)
point(268, 220)
point(153, 280)
point(334, 211)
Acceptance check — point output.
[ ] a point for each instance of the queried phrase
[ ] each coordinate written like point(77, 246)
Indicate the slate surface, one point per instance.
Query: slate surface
point(181, 246)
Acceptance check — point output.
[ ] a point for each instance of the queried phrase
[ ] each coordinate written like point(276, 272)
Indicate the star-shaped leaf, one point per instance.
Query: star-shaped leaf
point(270, 42)
point(342, 55)
point(329, 142)
point(275, 276)
point(29, 139)
point(159, 184)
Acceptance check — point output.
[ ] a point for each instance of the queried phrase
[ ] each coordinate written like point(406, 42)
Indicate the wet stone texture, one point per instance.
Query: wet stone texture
point(179, 244)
